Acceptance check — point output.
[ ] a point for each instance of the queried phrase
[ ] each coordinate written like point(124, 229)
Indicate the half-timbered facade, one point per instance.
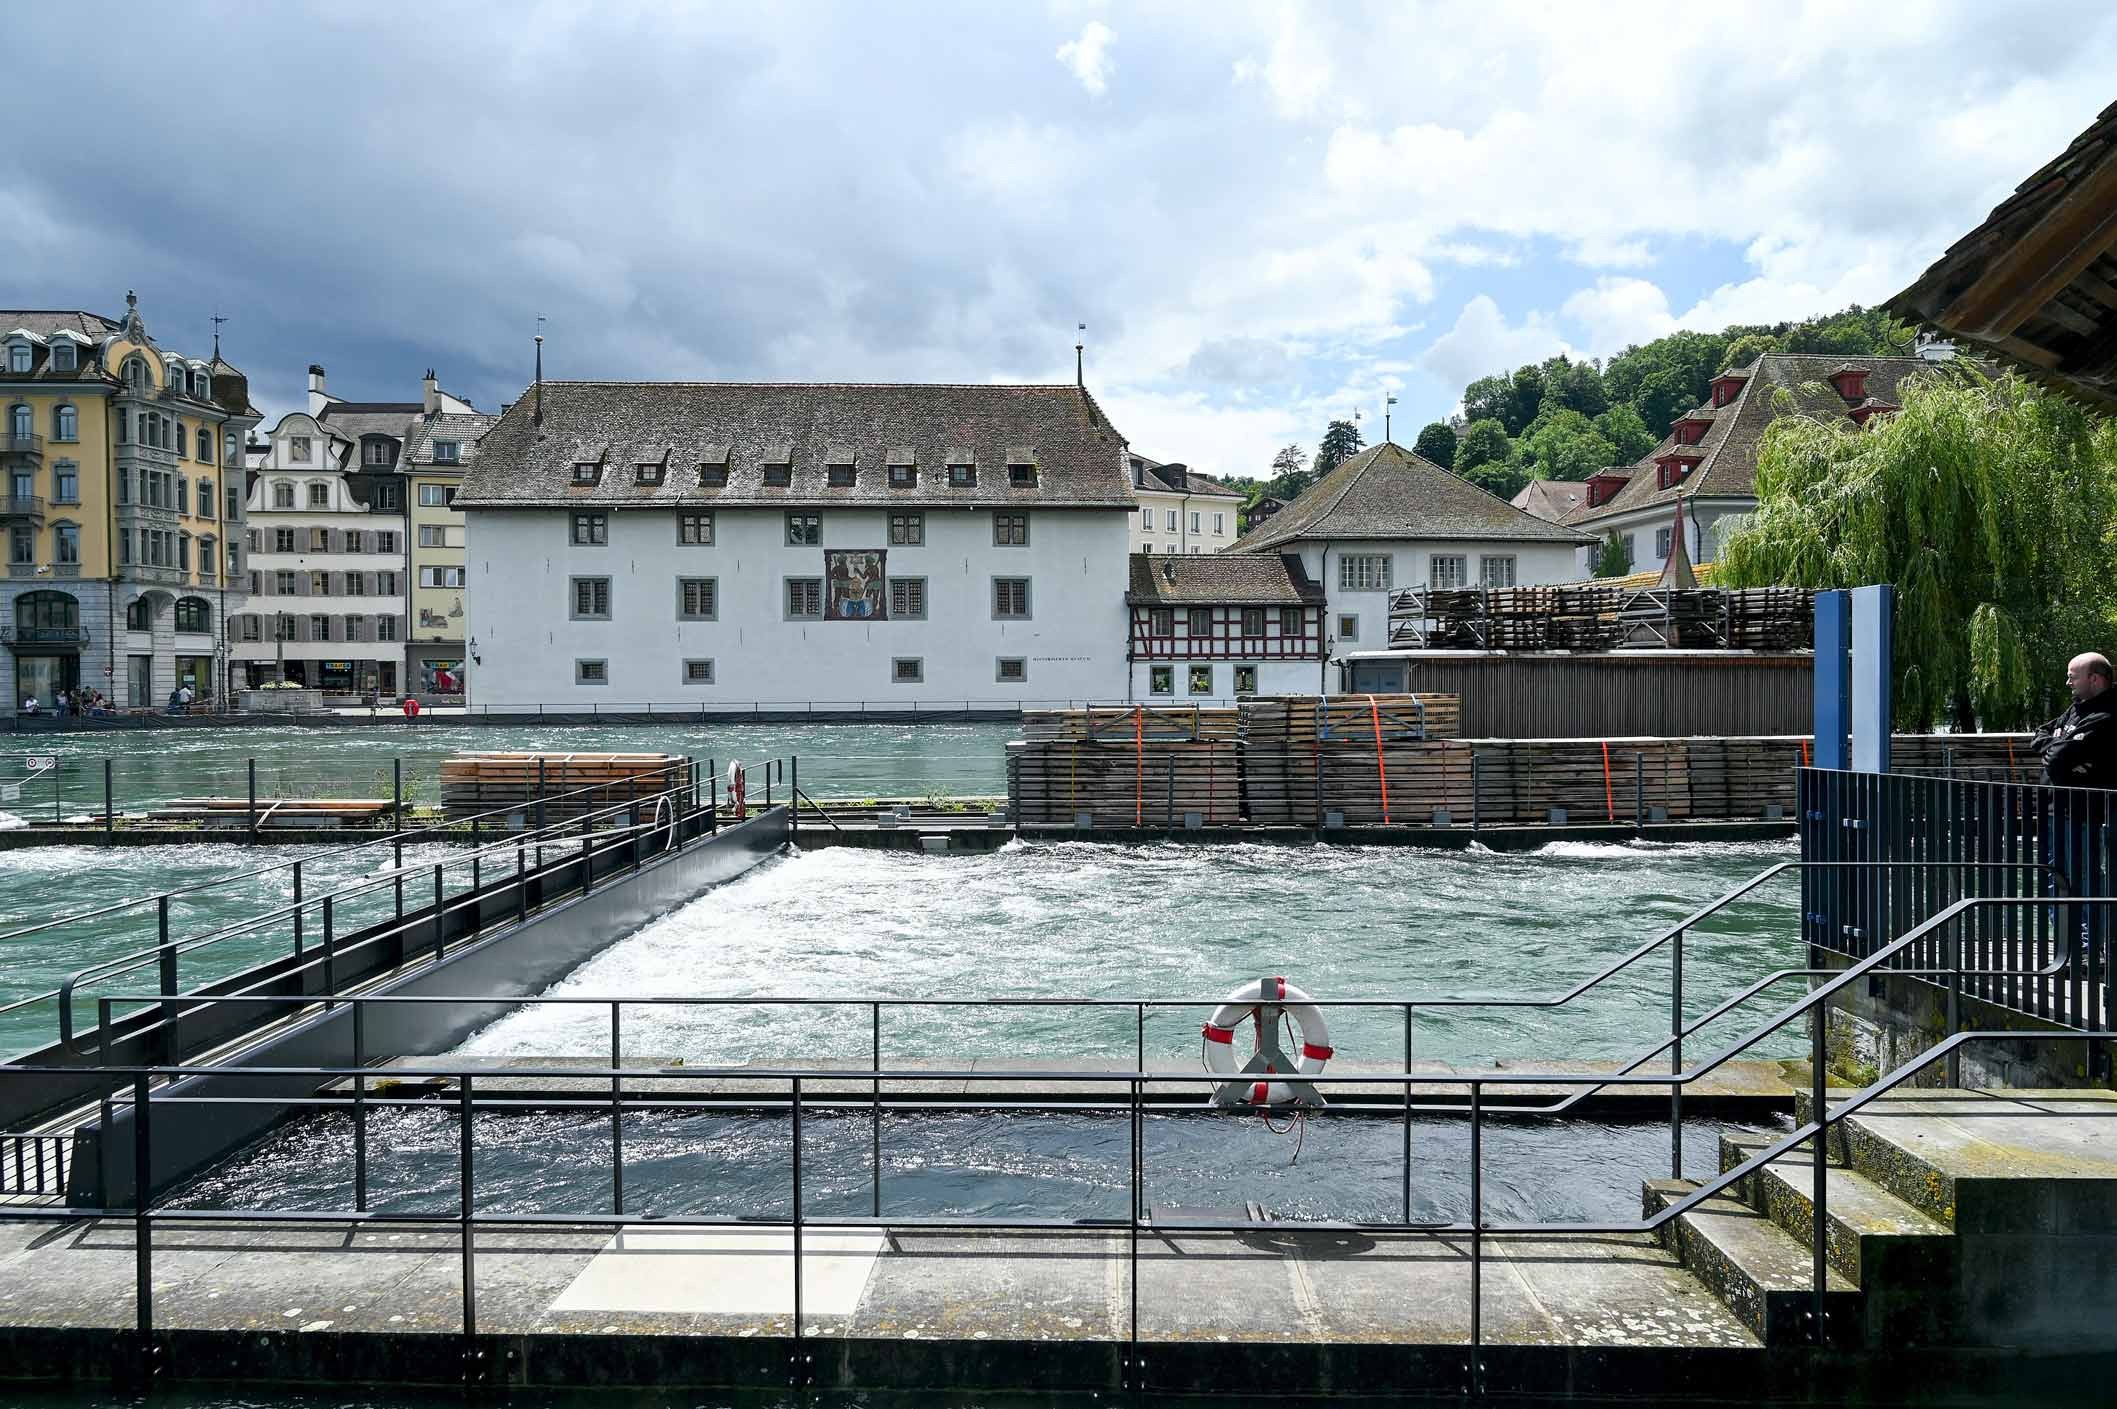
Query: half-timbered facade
point(1216, 627)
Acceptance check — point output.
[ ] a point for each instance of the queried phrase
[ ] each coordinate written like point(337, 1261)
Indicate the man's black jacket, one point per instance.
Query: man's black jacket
point(2079, 748)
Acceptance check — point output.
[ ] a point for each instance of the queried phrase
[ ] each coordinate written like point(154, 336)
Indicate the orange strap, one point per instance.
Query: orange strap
point(1381, 769)
point(2010, 758)
point(1139, 767)
point(1804, 753)
point(1609, 798)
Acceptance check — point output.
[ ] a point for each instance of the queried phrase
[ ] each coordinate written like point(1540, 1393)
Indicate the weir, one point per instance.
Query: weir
point(1954, 1231)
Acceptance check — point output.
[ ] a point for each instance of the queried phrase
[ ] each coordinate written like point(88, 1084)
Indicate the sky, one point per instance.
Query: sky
point(1267, 215)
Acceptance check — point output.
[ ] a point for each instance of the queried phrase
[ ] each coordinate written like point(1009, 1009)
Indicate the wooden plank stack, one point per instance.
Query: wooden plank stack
point(1140, 766)
point(573, 784)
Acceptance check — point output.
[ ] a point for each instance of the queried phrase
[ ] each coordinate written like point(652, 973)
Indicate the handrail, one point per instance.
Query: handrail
point(801, 797)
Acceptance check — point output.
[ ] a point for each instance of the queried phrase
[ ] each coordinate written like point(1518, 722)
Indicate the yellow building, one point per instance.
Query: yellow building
point(441, 444)
point(123, 505)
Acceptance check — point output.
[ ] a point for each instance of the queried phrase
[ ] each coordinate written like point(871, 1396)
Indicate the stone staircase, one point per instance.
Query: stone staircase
point(1953, 1218)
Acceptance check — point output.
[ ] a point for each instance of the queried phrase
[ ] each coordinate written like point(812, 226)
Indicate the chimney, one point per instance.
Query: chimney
point(318, 397)
point(433, 394)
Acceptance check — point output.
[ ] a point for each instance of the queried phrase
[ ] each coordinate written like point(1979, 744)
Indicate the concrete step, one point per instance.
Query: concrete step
point(1758, 1270)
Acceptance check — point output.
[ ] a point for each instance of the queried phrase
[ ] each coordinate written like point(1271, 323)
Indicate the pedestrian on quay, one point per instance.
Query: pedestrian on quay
point(2079, 748)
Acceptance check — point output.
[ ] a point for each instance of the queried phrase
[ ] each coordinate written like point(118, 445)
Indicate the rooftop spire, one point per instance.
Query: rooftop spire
point(1080, 378)
point(537, 413)
point(217, 321)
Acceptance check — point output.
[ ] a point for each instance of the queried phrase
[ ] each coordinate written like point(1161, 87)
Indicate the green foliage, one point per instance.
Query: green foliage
point(1482, 443)
point(1564, 445)
point(1627, 434)
point(1747, 349)
point(1611, 559)
point(1990, 505)
point(1341, 441)
point(1436, 442)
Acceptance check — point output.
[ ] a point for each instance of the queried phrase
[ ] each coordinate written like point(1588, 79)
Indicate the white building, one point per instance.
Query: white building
point(721, 544)
point(1180, 510)
point(1214, 628)
point(1709, 458)
point(327, 554)
point(1389, 519)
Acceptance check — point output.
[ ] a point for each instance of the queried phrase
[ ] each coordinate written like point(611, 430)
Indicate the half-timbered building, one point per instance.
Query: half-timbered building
point(1219, 627)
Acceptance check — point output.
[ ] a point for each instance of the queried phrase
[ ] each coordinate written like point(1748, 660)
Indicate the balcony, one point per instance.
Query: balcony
point(28, 445)
point(146, 516)
point(16, 635)
point(166, 576)
point(22, 506)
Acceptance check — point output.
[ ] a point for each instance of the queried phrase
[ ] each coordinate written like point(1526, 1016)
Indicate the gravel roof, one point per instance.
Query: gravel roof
point(1387, 491)
point(1079, 457)
point(1209, 579)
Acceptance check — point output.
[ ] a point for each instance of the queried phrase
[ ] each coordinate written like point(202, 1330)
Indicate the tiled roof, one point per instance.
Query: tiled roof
point(1079, 455)
point(1209, 579)
point(465, 429)
point(1162, 477)
point(1729, 467)
point(1551, 499)
point(42, 323)
point(1387, 491)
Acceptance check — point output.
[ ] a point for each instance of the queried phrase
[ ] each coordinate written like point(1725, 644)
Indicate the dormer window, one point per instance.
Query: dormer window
point(19, 355)
point(299, 448)
point(1021, 467)
point(839, 471)
point(587, 472)
point(448, 452)
point(1672, 470)
point(647, 472)
point(963, 476)
point(1691, 427)
point(1726, 387)
point(1603, 488)
point(779, 465)
point(1851, 383)
point(176, 377)
point(713, 475)
point(1871, 408)
point(64, 357)
point(903, 476)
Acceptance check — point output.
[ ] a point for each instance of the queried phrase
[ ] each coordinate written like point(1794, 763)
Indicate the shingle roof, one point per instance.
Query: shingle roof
point(1551, 499)
point(1181, 479)
point(465, 429)
point(1387, 491)
point(46, 321)
point(1210, 579)
point(1079, 455)
point(1729, 468)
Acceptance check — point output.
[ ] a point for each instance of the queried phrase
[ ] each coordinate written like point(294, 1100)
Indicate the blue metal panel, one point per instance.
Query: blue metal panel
point(1833, 678)
point(1873, 659)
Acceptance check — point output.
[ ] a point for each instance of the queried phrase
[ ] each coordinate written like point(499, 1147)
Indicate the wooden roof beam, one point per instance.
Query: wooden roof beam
point(2077, 230)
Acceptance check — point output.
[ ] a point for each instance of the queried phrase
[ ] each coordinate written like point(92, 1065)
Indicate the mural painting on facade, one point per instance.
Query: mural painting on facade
point(855, 584)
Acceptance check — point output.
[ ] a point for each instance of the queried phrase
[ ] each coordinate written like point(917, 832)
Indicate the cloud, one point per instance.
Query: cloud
point(1483, 341)
point(1618, 312)
point(1088, 57)
point(1605, 252)
point(1241, 362)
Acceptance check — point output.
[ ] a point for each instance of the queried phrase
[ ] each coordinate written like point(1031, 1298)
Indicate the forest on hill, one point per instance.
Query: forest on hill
point(1566, 419)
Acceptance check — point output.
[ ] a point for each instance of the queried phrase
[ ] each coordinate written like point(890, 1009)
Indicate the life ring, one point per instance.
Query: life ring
point(1264, 1000)
point(738, 788)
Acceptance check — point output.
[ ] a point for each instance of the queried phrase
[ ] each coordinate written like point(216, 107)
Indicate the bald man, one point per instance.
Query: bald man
point(2079, 748)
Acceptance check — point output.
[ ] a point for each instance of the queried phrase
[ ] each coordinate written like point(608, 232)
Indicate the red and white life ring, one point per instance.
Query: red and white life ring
point(738, 788)
point(1264, 1000)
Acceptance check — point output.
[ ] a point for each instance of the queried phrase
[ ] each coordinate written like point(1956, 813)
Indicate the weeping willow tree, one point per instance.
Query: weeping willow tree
point(1991, 505)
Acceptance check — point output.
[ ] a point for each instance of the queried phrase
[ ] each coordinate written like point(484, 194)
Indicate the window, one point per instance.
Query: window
point(1161, 621)
point(1168, 520)
point(234, 558)
point(1365, 572)
point(183, 552)
point(319, 496)
point(698, 672)
point(907, 530)
point(319, 627)
point(319, 584)
point(66, 483)
point(124, 425)
point(1220, 525)
point(779, 476)
point(282, 494)
point(282, 540)
point(319, 540)
point(386, 584)
point(1161, 679)
point(139, 615)
point(66, 543)
point(586, 472)
point(696, 599)
point(1253, 621)
point(22, 544)
point(389, 496)
point(591, 529)
point(356, 584)
point(1147, 548)
point(804, 530)
point(194, 614)
point(299, 448)
point(283, 583)
point(838, 476)
point(436, 496)
point(1146, 521)
point(356, 627)
point(386, 541)
point(18, 356)
point(65, 423)
point(204, 454)
point(1198, 622)
point(1010, 598)
point(963, 476)
point(183, 495)
point(695, 530)
point(591, 672)
point(1194, 521)
point(1245, 679)
point(235, 502)
point(1348, 626)
point(205, 498)
point(1446, 570)
point(591, 598)
point(62, 355)
point(228, 447)
point(712, 474)
point(903, 476)
point(1496, 570)
point(441, 577)
point(804, 597)
point(381, 453)
point(448, 452)
point(1291, 623)
point(385, 628)
point(907, 598)
point(907, 670)
point(1010, 530)
point(1200, 680)
point(1661, 542)
point(1012, 670)
point(432, 535)
point(252, 629)
point(648, 472)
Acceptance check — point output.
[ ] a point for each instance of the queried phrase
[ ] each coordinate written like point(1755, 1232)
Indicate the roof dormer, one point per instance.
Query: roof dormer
point(1602, 488)
point(1851, 383)
point(1868, 409)
point(1674, 465)
point(1691, 426)
point(1727, 386)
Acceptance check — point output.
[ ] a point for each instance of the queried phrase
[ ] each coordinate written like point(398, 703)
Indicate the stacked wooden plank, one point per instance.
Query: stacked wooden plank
point(569, 785)
point(1522, 781)
point(1990, 758)
point(1306, 755)
point(1735, 779)
point(1771, 618)
point(1138, 766)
